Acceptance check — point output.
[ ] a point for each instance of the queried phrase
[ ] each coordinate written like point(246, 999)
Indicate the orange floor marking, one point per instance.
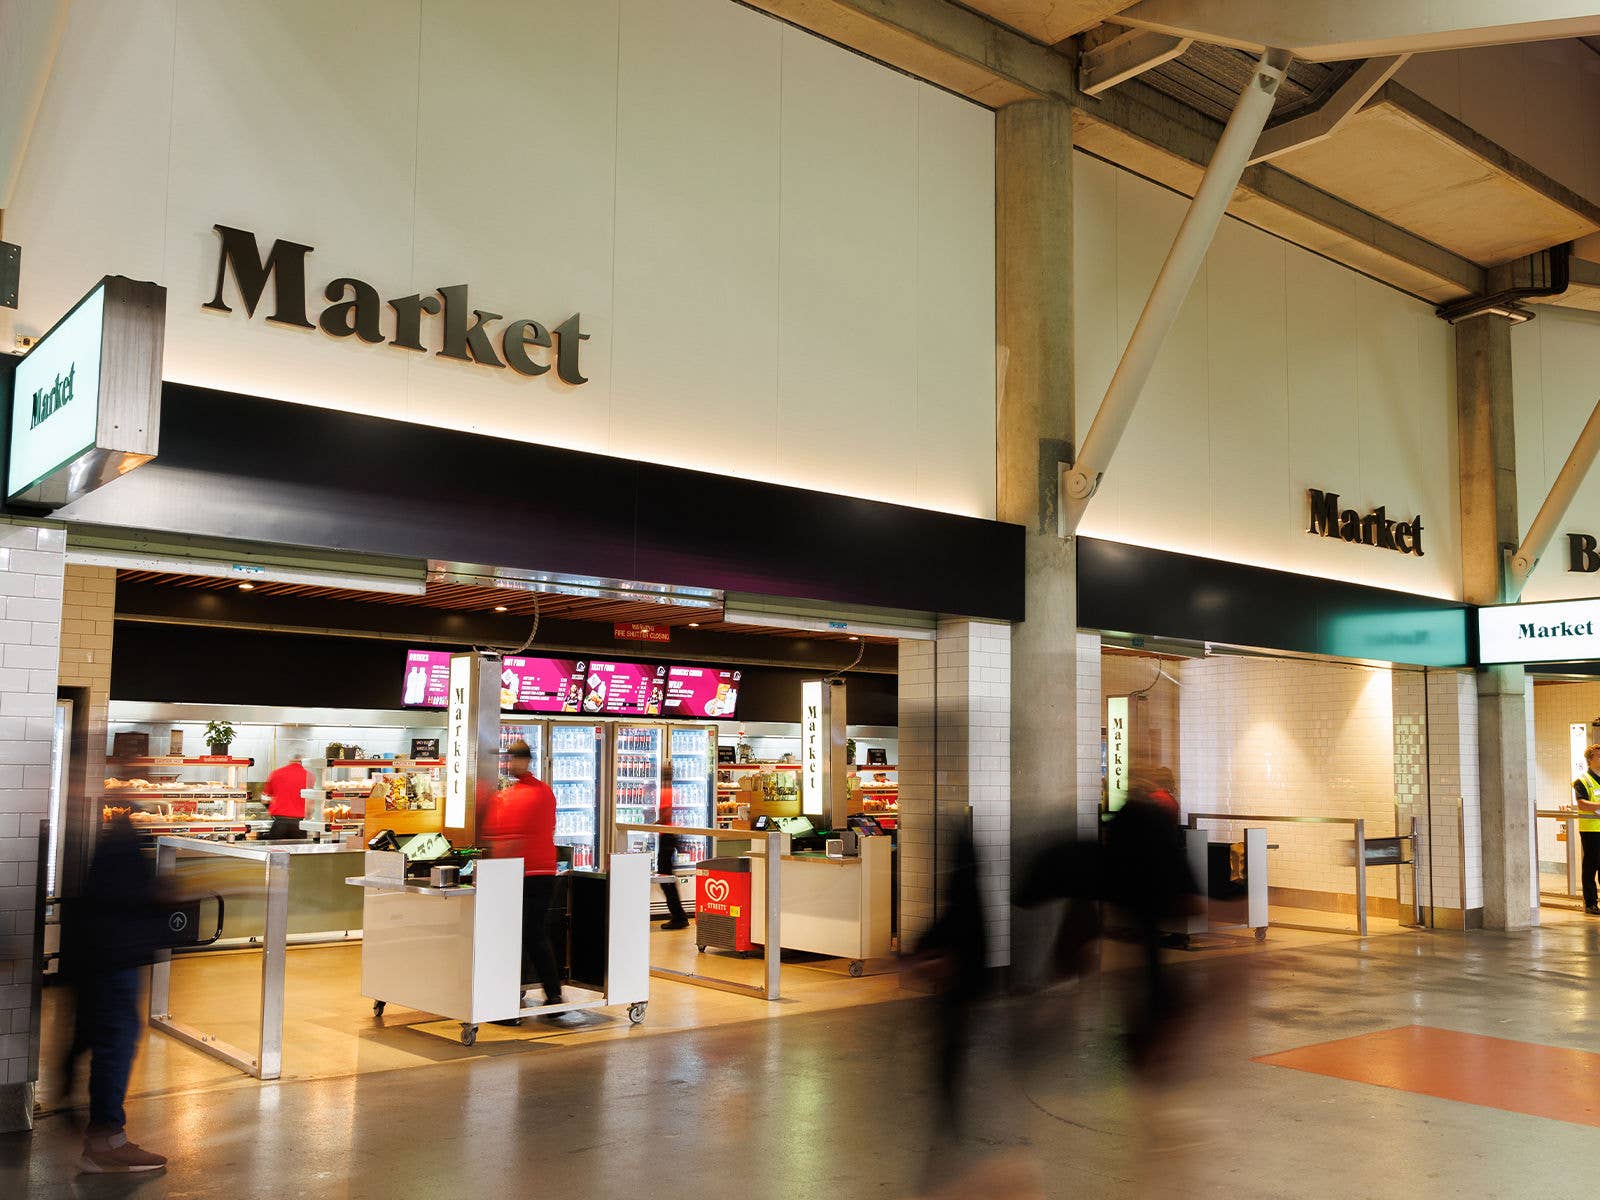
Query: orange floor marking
point(1519, 1077)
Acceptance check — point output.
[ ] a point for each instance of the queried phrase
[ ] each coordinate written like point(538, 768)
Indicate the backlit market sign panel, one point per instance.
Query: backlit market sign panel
point(1560, 631)
point(85, 403)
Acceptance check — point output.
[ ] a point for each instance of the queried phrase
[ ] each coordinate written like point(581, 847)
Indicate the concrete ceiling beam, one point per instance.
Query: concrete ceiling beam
point(1337, 30)
point(1123, 57)
point(1146, 132)
point(1338, 108)
point(946, 44)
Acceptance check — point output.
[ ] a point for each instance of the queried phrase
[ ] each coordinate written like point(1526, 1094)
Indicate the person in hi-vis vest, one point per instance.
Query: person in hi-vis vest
point(1587, 787)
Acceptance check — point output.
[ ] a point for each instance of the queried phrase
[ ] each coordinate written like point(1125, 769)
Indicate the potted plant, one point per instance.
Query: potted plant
point(219, 736)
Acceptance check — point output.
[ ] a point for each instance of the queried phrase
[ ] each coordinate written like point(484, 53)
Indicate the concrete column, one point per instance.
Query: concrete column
point(1033, 217)
point(1489, 529)
point(31, 565)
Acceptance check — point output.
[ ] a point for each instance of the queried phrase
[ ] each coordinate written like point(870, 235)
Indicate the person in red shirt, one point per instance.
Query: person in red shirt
point(520, 822)
point(285, 804)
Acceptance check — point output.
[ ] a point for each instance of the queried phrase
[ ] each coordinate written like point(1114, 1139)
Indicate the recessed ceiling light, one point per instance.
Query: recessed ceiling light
point(500, 608)
point(247, 587)
point(854, 638)
point(694, 624)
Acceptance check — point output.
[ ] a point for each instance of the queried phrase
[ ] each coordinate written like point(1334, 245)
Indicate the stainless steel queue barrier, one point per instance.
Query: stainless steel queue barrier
point(772, 952)
point(1570, 818)
point(1358, 824)
point(267, 1062)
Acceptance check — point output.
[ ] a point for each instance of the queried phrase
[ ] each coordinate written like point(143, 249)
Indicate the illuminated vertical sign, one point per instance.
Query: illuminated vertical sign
point(1578, 738)
point(813, 740)
point(462, 738)
point(1116, 753)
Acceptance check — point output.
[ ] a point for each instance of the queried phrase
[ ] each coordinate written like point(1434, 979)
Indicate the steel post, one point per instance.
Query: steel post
point(1361, 876)
point(773, 951)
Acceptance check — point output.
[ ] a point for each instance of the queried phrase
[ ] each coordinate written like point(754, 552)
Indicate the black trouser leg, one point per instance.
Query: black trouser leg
point(285, 829)
point(1591, 868)
point(537, 892)
point(674, 904)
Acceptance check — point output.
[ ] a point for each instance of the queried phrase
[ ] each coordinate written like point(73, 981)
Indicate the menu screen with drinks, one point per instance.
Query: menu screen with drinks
point(427, 680)
point(624, 689)
point(541, 685)
point(699, 693)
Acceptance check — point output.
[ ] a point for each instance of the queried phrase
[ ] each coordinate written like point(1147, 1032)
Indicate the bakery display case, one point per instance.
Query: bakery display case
point(199, 797)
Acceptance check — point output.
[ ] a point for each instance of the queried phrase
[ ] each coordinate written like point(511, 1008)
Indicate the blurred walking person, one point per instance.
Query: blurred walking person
point(521, 823)
point(285, 804)
point(110, 933)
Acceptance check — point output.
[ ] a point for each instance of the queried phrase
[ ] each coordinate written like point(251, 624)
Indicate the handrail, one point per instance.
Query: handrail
point(772, 952)
point(1359, 824)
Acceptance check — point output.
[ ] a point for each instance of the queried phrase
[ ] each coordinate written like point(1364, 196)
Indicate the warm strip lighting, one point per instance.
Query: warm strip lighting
point(247, 587)
point(500, 608)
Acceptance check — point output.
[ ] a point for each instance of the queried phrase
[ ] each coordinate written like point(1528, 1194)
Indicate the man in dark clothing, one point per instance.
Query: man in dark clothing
point(109, 934)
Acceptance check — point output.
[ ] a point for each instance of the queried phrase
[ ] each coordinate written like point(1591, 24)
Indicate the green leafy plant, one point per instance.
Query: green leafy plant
point(219, 733)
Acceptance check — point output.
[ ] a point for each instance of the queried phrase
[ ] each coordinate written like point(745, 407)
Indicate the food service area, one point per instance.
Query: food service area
point(390, 916)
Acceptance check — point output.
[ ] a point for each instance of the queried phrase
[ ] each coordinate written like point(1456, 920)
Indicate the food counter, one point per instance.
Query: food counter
point(839, 907)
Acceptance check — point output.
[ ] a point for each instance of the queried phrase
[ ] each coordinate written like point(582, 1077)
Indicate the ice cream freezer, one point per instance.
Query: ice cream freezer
point(457, 951)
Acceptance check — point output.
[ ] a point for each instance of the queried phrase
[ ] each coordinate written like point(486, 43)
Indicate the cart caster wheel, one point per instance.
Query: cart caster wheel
point(1261, 934)
point(855, 968)
point(469, 1034)
point(377, 1008)
point(636, 1012)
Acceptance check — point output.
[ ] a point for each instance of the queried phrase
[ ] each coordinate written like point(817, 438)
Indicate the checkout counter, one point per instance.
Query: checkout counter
point(835, 906)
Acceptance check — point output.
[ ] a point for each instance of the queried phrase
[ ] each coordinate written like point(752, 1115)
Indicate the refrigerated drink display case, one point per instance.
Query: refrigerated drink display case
point(531, 732)
point(575, 775)
point(637, 775)
point(693, 756)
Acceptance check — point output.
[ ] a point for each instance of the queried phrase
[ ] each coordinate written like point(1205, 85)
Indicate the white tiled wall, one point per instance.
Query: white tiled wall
point(31, 565)
point(1436, 758)
point(88, 616)
point(955, 753)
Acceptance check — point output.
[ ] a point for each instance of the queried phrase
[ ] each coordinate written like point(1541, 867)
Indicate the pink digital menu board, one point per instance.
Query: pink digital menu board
point(541, 685)
point(700, 693)
point(427, 679)
point(624, 689)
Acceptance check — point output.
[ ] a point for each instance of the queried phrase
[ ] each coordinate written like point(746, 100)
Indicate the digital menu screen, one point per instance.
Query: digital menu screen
point(624, 689)
point(541, 685)
point(427, 679)
point(699, 693)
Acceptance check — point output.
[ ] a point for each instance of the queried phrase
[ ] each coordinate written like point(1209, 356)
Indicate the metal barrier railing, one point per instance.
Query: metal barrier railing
point(772, 952)
point(1570, 818)
point(268, 1060)
point(1359, 825)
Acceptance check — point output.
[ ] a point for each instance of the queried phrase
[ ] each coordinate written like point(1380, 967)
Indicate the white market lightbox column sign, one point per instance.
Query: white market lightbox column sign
point(1557, 631)
point(472, 747)
point(1578, 741)
point(822, 750)
point(85, 402)
point(1116, 753)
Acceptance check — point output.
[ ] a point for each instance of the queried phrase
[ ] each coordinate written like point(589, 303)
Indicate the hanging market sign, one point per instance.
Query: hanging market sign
point(1373, 529)
point(85, 401)
point(1557, 631)
point(1116, 753)
point(525, 345)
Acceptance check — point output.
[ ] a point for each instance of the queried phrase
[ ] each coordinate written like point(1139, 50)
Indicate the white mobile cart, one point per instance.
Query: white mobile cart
point(457, 951)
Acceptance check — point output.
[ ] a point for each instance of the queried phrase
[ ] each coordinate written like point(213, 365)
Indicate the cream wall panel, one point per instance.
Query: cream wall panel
point(847, 326)
point(955, 300)
point(784, 253)
point(94, 149)
point(1284, 372)
point(1556, 361)
point(696, 304)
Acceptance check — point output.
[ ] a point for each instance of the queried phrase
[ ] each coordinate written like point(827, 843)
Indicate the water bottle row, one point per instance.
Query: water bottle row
point(574, 822)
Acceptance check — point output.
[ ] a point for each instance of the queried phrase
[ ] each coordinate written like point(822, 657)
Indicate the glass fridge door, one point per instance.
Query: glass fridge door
point(531, 732)
point(638, 779)
point(694, 775)
point(575, 775)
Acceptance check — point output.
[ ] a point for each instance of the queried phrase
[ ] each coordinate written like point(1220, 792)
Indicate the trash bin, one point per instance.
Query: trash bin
point(722, 904)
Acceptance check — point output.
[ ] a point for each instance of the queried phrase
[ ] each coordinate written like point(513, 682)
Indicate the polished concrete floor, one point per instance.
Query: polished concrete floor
point(839, 1101)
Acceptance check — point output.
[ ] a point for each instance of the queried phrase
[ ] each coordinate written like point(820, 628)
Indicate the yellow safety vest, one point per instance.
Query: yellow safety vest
point(1591, 792)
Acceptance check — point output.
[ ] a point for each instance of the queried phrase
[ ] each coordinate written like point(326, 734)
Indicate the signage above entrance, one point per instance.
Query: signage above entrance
point(1374, 529)
point(85, 402)
point(356, 311)
point(1558, 631)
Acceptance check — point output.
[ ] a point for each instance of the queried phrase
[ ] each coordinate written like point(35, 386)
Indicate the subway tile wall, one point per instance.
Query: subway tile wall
point(955, 754)
point(32, 561)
